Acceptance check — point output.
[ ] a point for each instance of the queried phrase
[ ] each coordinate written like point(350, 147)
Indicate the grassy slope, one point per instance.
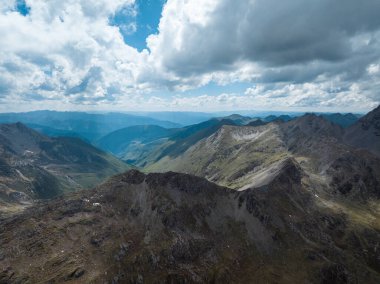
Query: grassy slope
point(231, 156)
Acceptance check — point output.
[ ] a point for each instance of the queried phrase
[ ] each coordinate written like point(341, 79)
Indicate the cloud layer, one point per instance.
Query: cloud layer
point(294, 53)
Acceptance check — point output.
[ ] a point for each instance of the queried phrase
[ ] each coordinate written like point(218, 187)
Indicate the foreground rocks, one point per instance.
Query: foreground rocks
point(177, 228)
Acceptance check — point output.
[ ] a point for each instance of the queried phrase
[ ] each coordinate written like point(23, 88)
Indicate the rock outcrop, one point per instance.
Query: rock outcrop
point(177, 228)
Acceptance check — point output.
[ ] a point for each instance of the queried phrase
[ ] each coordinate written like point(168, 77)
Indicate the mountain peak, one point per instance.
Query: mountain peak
point(18, 126)
point(292, 170)
point(372, 119)
point(365, 133)
point(257, 122)
point(178, 181)
point(314, 125)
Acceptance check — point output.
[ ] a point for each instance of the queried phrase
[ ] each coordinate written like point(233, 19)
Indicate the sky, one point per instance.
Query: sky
point(190, 55)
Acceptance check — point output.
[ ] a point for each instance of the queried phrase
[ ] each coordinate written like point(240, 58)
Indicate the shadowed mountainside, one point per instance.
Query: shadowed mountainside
point(34, 166)
point(366, 132)
point(177, 228)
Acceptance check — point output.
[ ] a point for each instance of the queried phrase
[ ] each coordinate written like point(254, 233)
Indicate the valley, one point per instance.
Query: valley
point(34, 166)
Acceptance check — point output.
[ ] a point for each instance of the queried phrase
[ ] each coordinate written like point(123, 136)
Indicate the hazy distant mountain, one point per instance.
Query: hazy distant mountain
point(282, 118)
point(256, 122)
point(53, 132)
point(366, 132)
point(140, 144)
point(88, 125)
point(344, 120)
point(183, 118)
point(237, 119)
point(119, 141)
point(177, 228)
point(34, 166)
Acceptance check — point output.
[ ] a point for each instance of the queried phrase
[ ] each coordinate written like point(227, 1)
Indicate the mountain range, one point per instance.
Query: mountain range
point(93, 126)
point(90, 126)
point(34, 166)
point(366, 132)
point(232, 199)
point(134, 144)
point(177, 228)
point(241, 156)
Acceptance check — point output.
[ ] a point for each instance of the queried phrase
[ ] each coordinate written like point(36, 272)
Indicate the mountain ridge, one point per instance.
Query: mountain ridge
point(35, 166)
point(244, 156)
point(179, 228)
point(365, 133)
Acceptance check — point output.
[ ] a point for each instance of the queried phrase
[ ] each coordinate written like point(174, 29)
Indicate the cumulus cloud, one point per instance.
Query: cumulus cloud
point(66, 50)
point(209, 35)
point(270, 42)
point(295, 53)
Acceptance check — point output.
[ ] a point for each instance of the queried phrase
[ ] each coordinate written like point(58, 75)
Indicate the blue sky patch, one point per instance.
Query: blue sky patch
point(22, 7)
point(135, 28)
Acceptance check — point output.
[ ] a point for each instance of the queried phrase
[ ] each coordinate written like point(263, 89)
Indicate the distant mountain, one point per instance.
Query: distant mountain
point(53, 132)
point(365, 133)
point(119, 141)
point(237, 119)
point(34, 166)
point(183, 118)
point(344, 120)
point(183, 139)
point(256, 122)
point(140, 144)
point(283, 118)
point(177, 228)
point(88, 125)
point(246, 156)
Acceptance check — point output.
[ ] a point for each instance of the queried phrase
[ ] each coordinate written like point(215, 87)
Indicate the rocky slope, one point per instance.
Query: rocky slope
point(229, 156)
point(177, 228)
point(179, 142)
point(34, 166)
point(366, 132)
point(250, 156)
point(146, 145)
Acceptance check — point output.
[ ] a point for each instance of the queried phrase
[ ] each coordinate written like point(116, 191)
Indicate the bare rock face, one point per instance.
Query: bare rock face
point(366, 132)
point(356, 177)
point(177, 228)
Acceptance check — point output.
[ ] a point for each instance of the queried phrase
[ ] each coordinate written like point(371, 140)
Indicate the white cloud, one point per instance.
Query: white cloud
point(373, 69)
point(67, 50)
point(266, 41)
point(296, 53)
